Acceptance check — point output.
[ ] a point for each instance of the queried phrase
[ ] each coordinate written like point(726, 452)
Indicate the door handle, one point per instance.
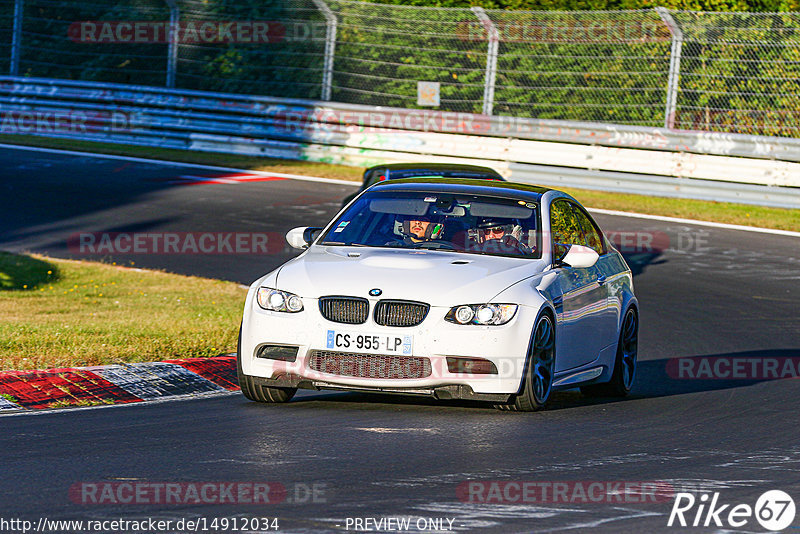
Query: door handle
point(601, 279)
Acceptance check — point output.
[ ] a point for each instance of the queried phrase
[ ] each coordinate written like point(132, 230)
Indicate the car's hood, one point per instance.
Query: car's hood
point(436, 277)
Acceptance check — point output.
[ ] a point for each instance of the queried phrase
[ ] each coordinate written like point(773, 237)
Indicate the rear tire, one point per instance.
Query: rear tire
point(257, 392)
point(625, 363)
point(537, 384)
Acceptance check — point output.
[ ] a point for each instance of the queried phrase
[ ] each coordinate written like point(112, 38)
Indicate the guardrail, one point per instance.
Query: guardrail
point(725, 167)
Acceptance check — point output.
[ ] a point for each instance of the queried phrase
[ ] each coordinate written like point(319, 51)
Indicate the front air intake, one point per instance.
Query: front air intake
point(370, 365)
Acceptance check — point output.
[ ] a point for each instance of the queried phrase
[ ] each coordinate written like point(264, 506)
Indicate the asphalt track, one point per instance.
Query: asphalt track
point(703, 292)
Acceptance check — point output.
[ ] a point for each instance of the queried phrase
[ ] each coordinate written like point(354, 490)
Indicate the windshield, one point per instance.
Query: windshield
point(470, 224)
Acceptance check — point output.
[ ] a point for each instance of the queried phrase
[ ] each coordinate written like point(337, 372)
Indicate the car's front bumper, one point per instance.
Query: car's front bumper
point(435, 339)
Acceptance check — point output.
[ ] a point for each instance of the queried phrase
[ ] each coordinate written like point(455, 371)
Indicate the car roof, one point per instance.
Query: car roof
point(421, 169)
point(435, 166)
point(464, 186)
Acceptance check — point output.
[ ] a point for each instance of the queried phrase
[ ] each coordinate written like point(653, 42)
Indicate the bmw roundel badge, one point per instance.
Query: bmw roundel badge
point(375, 292)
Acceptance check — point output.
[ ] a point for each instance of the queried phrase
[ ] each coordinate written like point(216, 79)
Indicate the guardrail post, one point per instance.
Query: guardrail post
point(330, 48)
point(172, 53)
point(16, 38)
point(674, 66)
point(491, 59)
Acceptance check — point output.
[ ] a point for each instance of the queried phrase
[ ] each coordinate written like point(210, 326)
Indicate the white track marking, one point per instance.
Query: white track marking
point(179, 164)
point(353, 183)
point(695, 222)
point(384, 430)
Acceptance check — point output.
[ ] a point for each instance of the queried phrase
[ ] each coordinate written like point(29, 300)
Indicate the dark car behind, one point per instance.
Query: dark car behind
point(395, 171)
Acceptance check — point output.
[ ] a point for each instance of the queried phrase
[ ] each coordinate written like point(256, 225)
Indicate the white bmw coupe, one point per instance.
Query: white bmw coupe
point(455, 289)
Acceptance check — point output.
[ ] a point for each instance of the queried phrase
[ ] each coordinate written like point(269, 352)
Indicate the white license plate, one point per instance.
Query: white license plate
point(369, 343)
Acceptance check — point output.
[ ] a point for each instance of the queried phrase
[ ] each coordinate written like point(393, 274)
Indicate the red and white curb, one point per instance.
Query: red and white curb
point(227, 179)
point(116, 384)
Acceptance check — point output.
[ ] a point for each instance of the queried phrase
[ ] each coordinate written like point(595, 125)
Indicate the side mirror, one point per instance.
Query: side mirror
point(302, 236)
point(580, 257)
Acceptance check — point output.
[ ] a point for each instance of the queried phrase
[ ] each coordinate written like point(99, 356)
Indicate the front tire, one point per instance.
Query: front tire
point(537, 384)
point(625, 363)
point(257, 392)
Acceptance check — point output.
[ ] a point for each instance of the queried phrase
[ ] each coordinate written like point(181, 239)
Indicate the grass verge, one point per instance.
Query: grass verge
point(62, 313)
point(723, 212)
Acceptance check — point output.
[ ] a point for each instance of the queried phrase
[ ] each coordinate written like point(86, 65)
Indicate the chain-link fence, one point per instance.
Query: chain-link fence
point(6, 35)
point(740, 72)
point(253, 47)
point(730, 72)
point(586, 66)
point(77, 40)
point(382, 52)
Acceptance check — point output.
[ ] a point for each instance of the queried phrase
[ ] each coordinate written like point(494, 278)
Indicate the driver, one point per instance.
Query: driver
point(420, 228)
point(494, 232)
point(499, 237)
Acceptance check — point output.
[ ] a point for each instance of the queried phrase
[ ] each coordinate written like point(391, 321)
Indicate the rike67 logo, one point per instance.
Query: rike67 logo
point(774, 511)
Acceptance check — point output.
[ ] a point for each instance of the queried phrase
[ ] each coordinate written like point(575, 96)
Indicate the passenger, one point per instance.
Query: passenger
point(421, 228)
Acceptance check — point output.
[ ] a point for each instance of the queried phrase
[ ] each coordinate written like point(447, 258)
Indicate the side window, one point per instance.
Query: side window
point(593, 238)
point(566, 227)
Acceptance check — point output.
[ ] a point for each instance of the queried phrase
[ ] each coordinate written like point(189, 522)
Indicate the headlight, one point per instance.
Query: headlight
point(275, 300)
point(483, 314)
